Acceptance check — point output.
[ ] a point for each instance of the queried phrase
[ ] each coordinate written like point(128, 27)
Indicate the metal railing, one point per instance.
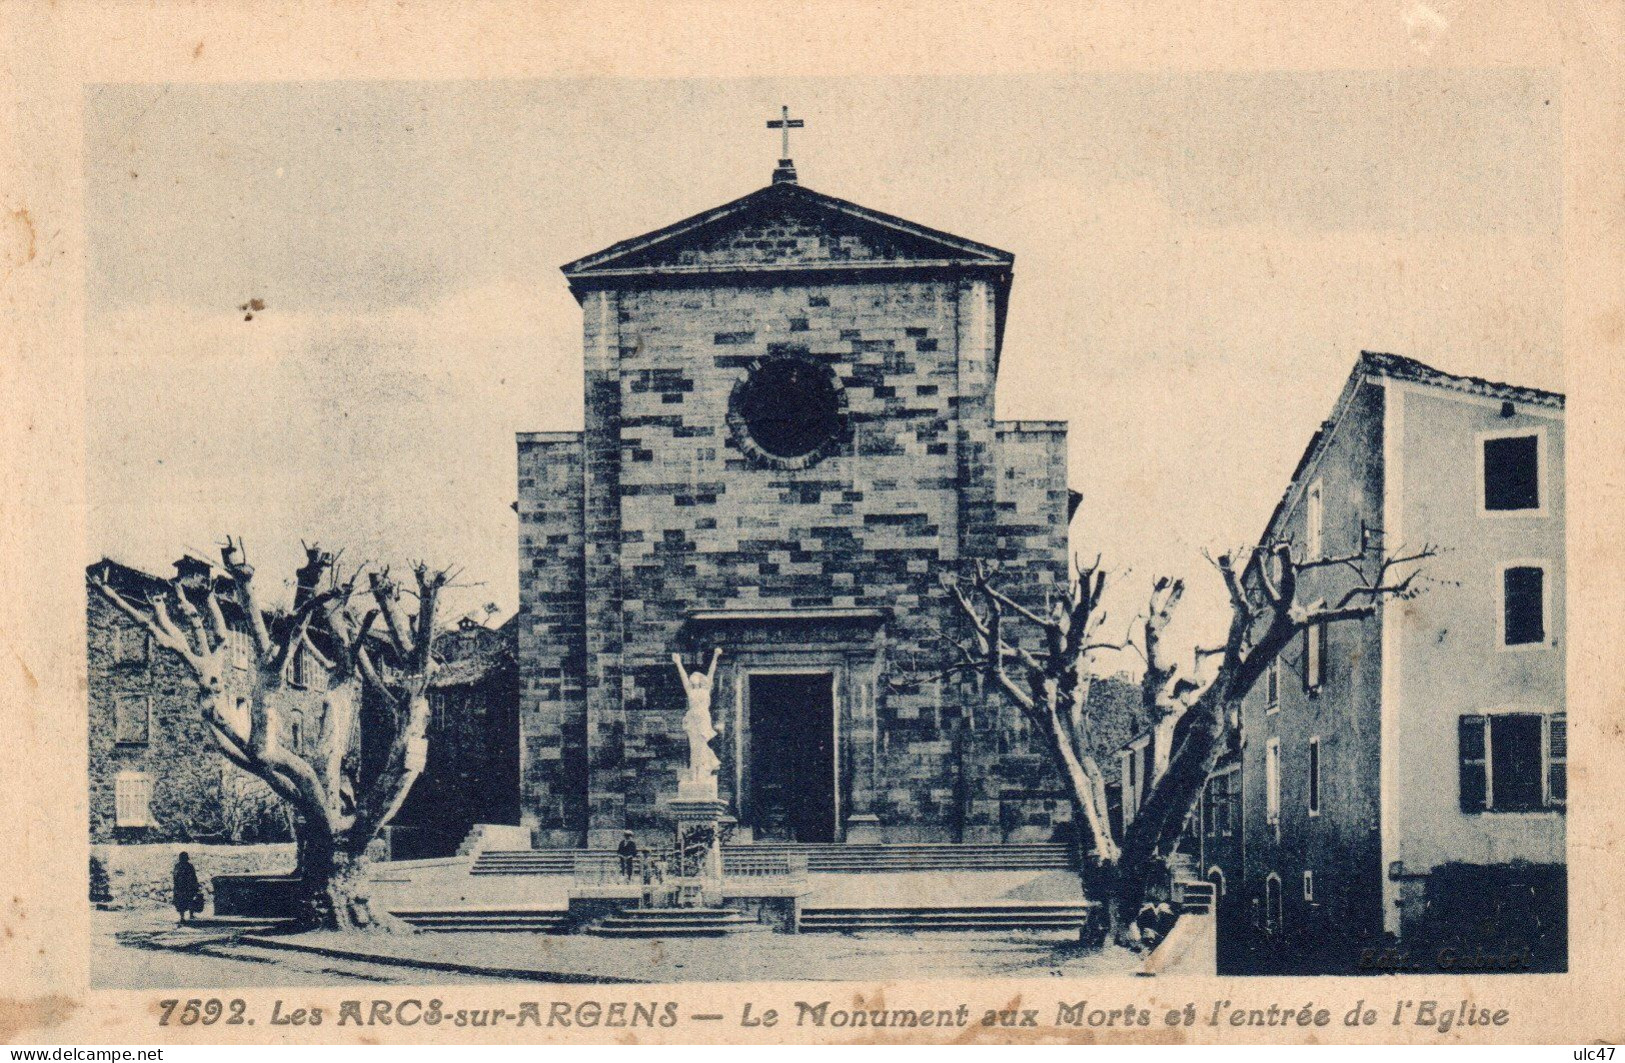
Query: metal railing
point(742, 863)
point(663, 871)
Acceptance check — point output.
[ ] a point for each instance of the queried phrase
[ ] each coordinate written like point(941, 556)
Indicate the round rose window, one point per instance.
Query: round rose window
point(788, 413)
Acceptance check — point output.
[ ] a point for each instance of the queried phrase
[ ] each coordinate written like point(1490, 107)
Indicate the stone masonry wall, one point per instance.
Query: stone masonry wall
point(551, 634)
point(140, 876)
point(195, 792)
point(178, 754)
point(1012, 791)
point(699, 526)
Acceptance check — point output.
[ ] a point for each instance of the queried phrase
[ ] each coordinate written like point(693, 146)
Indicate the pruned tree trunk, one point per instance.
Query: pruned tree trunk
point(335, 887)
point(1117, 875)
point(337, 817)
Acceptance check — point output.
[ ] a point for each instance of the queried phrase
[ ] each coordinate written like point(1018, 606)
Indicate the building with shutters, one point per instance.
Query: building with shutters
point(155, 773)
point(1403, 777)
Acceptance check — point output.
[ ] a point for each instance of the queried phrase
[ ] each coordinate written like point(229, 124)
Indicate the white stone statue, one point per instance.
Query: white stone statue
point(701, 778)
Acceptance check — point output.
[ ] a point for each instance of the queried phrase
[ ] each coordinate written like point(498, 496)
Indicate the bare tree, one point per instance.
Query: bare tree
point(337, 815)
point(1049, 679)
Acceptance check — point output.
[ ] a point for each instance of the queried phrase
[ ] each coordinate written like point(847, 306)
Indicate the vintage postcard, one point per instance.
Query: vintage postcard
point(807, 523)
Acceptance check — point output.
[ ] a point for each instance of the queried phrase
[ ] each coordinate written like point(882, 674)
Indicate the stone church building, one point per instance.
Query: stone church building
point(789, 440)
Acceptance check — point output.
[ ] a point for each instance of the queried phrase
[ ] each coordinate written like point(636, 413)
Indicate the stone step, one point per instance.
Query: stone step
point(620, 923)
point(845, 851)
point(485, 920)
point(954, 927)
point(944, 920)
point(638, 930)
point(829, 867)
point(1196, 896)
point(957, 917)
point(821, 858)
point(492, 928)
point(675, 922)
point(690, 914)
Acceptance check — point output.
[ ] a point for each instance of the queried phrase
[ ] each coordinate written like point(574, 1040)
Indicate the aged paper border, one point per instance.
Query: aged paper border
point(52, 51)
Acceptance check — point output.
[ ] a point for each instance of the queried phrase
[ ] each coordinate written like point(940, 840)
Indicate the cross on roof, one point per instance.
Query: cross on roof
point(785, 123)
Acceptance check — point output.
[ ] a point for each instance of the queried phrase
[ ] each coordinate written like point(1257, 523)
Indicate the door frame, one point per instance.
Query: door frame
point(742, 765)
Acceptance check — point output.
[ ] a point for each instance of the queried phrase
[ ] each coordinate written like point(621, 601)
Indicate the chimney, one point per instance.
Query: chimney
point(193, 572)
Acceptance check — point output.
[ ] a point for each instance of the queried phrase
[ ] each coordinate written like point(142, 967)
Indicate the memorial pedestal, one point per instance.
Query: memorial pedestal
point(863, 829)
point(707, 813)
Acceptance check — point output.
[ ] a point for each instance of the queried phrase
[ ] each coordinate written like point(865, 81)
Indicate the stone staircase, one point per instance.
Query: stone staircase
point(675, 922)
point(529, 861)
point(848, 859)
point(1191, 892)
point(1193, 896)
point(821, 859)
point(485, 920)
point(1000, 916)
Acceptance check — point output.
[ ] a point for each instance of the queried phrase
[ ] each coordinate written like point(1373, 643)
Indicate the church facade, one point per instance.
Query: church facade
point(789, 442)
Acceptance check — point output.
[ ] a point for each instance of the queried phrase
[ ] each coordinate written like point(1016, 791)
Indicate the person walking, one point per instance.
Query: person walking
point(188, 893)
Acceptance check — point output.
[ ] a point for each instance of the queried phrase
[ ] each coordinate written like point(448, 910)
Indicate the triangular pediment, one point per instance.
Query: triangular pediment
point(785, 227)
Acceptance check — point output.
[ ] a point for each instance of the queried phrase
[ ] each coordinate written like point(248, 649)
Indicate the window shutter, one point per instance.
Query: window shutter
point(1313, 520)
point(1470, 738)
point(1314, 656)
point(1523, 597)
point(131, 720)
point(132, 800)
point(1314, 775)
point(1557, 760)
point(1272, 781)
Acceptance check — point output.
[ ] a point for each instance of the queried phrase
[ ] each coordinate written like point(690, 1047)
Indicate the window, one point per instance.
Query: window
point(1512, 472)
point(1216, 805)
point(132, 799)
point(1523, 605)
point(132, 721)
point(1225, 797)
point(1308, 885)
point(296, 732)
point(1512, 762)
point(1272, 904)
point(1131, 785)
point(1313, 520)
point(306, 672)
point(1272, 686)
point(129, 647)
point(237, 642)
point(1314, 656)
point(788, 413)
point(1230, 810)
point(1314, 776)
point(1272, 781)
